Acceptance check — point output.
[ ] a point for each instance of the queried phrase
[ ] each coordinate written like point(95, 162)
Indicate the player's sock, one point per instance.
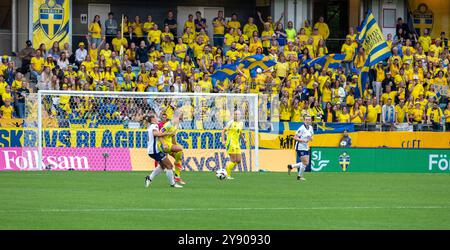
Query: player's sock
point(178, 156)
point(229, 167)
point(156, 172)
point(177, 171)
point(301, 170)
point(169, 174)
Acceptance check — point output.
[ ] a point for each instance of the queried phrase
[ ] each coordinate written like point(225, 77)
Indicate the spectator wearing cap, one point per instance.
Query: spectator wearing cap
point(80, 54)
point(388, 81)
point(25, 55)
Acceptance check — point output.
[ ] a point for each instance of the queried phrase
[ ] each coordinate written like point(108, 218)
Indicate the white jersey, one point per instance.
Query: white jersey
point(305, 134)
point(152, 146)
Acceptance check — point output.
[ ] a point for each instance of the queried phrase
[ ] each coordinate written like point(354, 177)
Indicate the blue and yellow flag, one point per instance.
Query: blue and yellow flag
point(51, 21)
point(256, 61)
point(226, 71)
point(331, 61)
point(374, 43)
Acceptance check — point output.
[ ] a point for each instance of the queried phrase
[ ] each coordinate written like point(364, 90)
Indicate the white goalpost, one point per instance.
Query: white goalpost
point(93, 130)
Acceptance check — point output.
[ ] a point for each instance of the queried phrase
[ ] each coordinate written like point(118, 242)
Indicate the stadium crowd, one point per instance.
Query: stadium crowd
point(411, 87)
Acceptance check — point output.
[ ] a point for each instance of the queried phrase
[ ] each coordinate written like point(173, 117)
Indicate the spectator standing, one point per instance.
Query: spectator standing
point(25, 55)
point(388, 114)
point(324, 31)
point(172, 23)
point(111, 27)
point(401, 29)
point(95, 31)
point(219, 25)
point(291, 32)
point(21, 94)
point(199, 21)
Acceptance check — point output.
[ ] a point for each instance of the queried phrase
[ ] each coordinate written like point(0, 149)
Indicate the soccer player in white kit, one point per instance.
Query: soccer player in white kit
point(156, 151)
point(302, 138)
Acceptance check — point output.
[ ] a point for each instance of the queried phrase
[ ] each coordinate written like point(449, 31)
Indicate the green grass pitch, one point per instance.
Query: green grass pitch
point(118, 200)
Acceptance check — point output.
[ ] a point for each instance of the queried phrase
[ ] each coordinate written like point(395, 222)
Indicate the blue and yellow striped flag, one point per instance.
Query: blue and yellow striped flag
point(374, 43)
point(256, 61)
point(226, 71)
point(372, 40)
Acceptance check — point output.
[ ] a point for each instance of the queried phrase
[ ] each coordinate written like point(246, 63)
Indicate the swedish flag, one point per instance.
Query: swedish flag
point(226, 71)
point(317, 61)
point(332, 61)
point(256, 61)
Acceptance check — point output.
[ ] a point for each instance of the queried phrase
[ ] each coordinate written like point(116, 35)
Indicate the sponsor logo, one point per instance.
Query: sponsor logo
point(28, 160)
point(317, 163)
point(439, 161)
point(344, 161)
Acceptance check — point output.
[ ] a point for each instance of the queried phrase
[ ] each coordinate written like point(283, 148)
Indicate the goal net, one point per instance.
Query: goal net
point(107, 131)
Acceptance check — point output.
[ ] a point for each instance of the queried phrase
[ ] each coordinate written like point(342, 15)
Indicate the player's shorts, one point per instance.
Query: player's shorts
point(233, 149)
point(158, 156)
point(301, 153)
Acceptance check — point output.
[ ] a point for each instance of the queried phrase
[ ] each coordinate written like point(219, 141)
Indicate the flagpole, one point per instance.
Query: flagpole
point(121, 35)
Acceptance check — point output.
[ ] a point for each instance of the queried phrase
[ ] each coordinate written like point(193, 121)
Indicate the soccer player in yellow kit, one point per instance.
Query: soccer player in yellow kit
point(233, 130)
point(171, 146)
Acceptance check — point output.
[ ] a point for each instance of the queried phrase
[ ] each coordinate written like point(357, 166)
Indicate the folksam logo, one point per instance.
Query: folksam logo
point(441, 161)
point(316, 161)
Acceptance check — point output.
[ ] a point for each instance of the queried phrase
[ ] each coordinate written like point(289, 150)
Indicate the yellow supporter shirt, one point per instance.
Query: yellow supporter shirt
point(349, 51)
point(117, 43)
point(219, 28)
point(343, 118)
point(154, 36)
point(7, 111)
point(96, 30)
point(38, 64)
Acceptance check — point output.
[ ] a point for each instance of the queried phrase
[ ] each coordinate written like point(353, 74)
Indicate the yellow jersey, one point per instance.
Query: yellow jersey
point(234, 130)
point(169, 127)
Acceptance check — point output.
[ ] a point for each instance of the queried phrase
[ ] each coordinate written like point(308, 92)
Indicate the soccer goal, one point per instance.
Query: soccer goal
point(107, 131)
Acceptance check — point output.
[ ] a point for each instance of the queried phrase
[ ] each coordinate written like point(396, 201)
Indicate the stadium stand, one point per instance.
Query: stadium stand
point(409, 88)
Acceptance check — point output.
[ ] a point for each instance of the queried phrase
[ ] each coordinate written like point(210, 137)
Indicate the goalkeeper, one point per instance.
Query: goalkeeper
point(171, 146)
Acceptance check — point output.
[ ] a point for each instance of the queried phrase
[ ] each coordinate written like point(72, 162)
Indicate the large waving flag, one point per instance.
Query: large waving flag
point(257, 61)
point(226, 71)
point(372, 40)
point(332, 61)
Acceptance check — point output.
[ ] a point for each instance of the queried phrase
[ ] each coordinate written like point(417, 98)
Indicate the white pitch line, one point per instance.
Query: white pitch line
point(93, 210)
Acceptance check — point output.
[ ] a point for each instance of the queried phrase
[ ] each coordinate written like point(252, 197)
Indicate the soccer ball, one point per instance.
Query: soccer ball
point(221, 174)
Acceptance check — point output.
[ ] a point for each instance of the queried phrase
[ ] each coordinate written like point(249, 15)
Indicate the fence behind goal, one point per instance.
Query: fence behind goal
point(106, 131)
